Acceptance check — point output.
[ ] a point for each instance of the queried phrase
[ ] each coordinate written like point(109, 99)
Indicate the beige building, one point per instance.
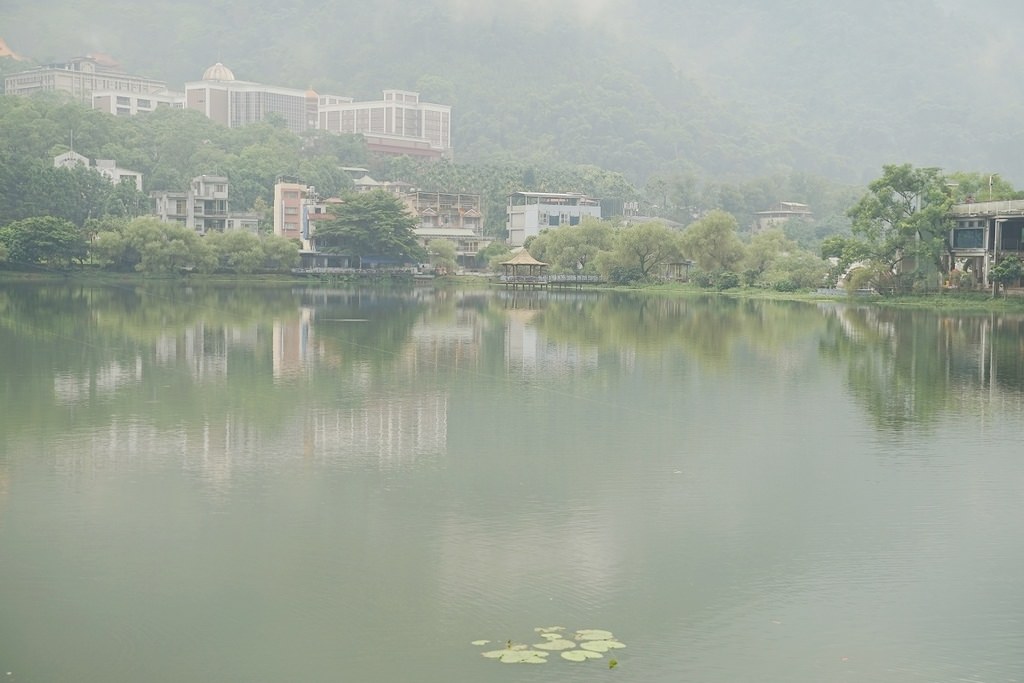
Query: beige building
point(235, 103)
point(780, 214)
point(80, 78)
point(397, 124)
point(297, 209)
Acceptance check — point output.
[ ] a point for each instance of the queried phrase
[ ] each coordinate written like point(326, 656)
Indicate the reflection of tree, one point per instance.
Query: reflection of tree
point(911, 367)
point(705, 327)
point(366, 327)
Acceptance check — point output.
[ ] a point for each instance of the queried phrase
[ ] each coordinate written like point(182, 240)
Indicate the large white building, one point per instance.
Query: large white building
point(79, 77)
point(530, 212)
point(122, 103)
point(107, 168)
point(397, 124)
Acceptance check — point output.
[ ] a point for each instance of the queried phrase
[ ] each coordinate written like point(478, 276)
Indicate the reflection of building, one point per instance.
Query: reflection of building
point(530, 352)
point(387, 431)
point(79, 77)
point(781, 213)
point(530, 212)
point(292, 344)
point(983, 232)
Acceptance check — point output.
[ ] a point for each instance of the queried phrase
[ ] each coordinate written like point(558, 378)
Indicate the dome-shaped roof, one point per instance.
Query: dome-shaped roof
point(312, 94)
point(218, 72)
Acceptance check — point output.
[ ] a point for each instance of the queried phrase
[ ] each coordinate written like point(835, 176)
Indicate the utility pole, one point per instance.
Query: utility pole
point(990, 177)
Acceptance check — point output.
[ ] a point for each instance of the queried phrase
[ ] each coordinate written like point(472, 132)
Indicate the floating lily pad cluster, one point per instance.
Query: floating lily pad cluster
point(588, 643)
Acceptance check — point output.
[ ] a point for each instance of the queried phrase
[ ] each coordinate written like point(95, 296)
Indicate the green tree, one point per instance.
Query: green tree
point(1006, 272)
point(148, 245)
point(571, 249)
point(903, 222)
point(442, 255)
point(493, 255)
point(373, 223)
point(240, 252)
point(764, 249)
point(712, 242)
point(280, 253)
point(641, 248)
point(797, 269)
point(44, 239)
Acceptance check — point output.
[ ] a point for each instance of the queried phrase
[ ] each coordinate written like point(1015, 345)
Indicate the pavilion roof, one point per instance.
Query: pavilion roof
point(523, 258)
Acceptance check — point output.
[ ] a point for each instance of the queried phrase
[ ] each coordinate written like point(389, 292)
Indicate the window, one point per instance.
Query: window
point(968, 238)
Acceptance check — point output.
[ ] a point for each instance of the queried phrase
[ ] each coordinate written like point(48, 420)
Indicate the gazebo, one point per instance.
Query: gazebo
point(523, 269)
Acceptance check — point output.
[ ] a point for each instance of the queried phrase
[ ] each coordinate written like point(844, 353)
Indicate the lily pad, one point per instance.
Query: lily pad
point(601, 645)
point(523, 657)
point(580, 655)
point(593, 634)
point(480, 642)
point(560, 644)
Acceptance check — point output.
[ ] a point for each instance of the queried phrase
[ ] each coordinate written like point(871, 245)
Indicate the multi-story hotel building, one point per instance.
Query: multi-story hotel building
point(397, 124)
point(80, 77)
point(235, 103)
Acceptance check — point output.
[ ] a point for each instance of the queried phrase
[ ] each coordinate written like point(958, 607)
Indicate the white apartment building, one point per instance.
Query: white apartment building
point(203, 207)
point(122, 103)
point(530, 212)
point(107, 168)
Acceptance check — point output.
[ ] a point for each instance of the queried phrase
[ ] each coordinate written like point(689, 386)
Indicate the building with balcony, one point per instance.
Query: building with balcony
point(203, 207)
point(451, 216)
point(983, 233)
point(530, 212)
point(297, 210)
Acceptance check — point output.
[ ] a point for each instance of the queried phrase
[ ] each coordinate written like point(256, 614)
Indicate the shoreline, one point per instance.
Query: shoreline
point(941, 301)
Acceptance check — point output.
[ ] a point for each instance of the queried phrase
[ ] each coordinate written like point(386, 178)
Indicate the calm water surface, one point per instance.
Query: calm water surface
point(288, 484)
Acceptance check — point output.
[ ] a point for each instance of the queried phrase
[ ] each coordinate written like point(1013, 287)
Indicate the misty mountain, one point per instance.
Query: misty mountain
point(730, 89)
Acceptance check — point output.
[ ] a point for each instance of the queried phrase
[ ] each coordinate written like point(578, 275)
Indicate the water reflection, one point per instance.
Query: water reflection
point(228, 366)
point(739, 489)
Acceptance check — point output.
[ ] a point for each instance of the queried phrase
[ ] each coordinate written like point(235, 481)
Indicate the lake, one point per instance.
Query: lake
point(282, 483)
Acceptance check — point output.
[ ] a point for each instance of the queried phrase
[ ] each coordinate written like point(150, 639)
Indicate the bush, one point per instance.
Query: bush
point(625, 275)
point(727, 280)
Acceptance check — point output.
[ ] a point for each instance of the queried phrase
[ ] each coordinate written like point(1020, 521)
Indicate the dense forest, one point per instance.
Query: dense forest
point(728, 91)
